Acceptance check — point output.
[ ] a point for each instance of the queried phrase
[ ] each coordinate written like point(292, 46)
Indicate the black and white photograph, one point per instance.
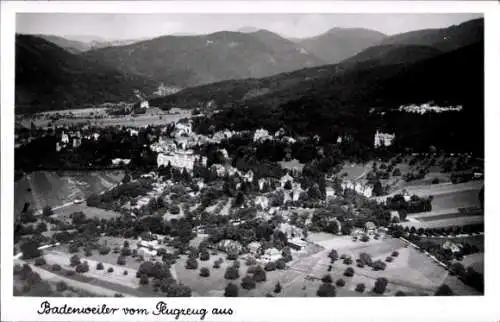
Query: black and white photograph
point(292, 155)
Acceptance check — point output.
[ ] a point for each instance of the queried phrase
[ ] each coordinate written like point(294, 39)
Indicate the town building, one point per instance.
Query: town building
point(261, 135)
point(383, 139)
point(370, 228)
point(119, 161)
point(262, 202)
point(271, 255)
point(179, 159)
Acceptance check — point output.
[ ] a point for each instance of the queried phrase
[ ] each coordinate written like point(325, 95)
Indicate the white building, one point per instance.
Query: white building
point(261, 201)
point(383, 139)
point(183, 129)
point(261, 135)
point(262, 182)
point(145, 104)
point(271, 255)
point(179, 160)
point(119, 161)
point(358, 187)
point(64, 138)
point(219, 169)
point(287, 177)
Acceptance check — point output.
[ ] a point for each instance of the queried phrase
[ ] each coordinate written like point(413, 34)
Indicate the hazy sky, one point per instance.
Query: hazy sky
point(130, 26)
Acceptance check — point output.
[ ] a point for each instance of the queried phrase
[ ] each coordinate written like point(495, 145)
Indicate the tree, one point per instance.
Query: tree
point(144, 280)
point(395, 254)
point(259, 274)
point(277, 288)
point(378, 190)
point(333, 255)
point(380, 285)
point(280, 264)
point(56, 267)
point(47, 211)
point(240, 199)
point(99, 266)
point(251, 261)
point(40, 261)
point(30, 249)
point(360, 288)
point(271, 266)
point(61, 286)
point(204, 255)
point(400, 293)
point(74, 260)
point(327, 279)
point(347, 261)
point(248, 283)
point(110, 270)
point(340, 282)
point(444, 290)
point(88, 252)
point(104, 250)
point(191, 263)
point(379, 265)
point(288, 185)
point(349, 272)
point(82, 267)
point(204, 272)
point(389, 259)
point(326, 290)
point(231, 290)
point(121, 260)
point(73, 248)
point(126, 178)
point(232, 273)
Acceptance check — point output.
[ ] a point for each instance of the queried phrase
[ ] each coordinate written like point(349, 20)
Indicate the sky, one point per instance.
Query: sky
point(135, 26)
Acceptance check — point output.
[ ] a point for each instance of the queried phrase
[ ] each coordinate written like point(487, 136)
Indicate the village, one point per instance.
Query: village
point(296, 230)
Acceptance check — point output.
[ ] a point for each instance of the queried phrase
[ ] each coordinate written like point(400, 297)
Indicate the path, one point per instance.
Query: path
point(54, 278)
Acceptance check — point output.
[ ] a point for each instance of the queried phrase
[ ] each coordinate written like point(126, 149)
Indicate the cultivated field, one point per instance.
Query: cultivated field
point(48, 188)
point(412, 272)
point(136, 121)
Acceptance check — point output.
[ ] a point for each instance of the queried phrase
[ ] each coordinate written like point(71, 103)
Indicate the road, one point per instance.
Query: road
point(54, 278)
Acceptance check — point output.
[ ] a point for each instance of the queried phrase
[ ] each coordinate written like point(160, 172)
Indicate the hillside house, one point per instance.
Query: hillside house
point(454, 248)
point(297, 244)
point(254, 248)
point(370, 228)
point(262, 202)
point(119, 161)
point(261, 135)
point(271, 255)
point(383, 139)
point(228, 245)
point(144, 104)
point(283, 180)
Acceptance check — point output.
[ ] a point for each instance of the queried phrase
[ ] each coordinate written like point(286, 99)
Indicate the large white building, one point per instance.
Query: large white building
point(184, 159)
point(261, 135)
point(360, 188)
point(383, 139)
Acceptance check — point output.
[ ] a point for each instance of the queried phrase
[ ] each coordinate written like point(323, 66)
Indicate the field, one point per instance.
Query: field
point(47, 188)
point(447, 201)
point(412, 272)
point(137, 121)
point(355, 171)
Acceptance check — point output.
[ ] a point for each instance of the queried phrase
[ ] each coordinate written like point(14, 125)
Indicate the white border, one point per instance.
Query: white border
point(264, 309)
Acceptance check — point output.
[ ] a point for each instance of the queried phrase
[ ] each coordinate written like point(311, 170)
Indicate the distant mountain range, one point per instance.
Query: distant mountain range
point(49, 77)
point(338, 44)
point(79, 44)
point(257, 63)
point(335, 100)
point(411, 51)
point(193, 60)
